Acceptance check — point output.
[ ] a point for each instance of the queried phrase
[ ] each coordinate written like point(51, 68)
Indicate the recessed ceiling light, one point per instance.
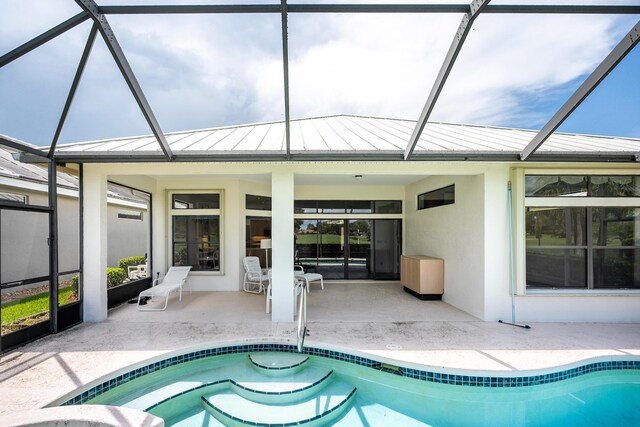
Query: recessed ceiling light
point(358, 177)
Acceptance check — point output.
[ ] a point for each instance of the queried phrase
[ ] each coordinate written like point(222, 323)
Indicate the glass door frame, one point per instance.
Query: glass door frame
point(346, 244)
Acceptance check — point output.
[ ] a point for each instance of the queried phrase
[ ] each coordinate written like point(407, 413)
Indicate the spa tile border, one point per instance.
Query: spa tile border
point(421, 375)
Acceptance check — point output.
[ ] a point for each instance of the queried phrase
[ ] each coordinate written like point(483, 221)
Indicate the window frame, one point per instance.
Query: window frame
point(171, 213)
point(130, 215)
point(339, 207)
point(24, 201)
point(521, 203)
point(444, 202)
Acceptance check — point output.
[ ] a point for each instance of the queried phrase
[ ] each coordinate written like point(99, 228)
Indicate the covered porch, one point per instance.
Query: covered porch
point(456, 235)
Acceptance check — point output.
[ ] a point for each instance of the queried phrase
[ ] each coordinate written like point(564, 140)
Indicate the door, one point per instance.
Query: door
point(358, 251)
point(387, 248)
point(24, 276)
point(352, 249)
point(331, 249)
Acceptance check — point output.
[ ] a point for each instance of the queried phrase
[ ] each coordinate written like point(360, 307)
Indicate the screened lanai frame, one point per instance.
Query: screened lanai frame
point(99, 16)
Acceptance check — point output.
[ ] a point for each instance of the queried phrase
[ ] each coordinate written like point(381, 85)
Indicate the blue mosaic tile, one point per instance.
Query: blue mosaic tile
point(436, 377)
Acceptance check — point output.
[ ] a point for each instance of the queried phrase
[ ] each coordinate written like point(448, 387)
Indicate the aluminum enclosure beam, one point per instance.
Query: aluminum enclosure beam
point(475, 8)
point(91, 8)
point(606, 66)
point(368, 8)
point(285, 72)
point(74, 87)
point(189, 9)
point(22, 147)
point(322, 156)
point(52, 183)
point(42, 38)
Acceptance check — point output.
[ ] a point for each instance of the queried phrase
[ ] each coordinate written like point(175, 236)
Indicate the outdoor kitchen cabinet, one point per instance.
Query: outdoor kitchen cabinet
point(422, 276)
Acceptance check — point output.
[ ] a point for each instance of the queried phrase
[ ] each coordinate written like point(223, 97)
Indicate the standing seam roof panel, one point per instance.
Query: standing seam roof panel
point(357, 128)
point(230, 141)
point(328, 133)
point(353, 138)
point(392, 136)
point(191, 139)
point(296, 139)
point(253, 139)
point(210, 140)
point(273, 140)
point(494, 141)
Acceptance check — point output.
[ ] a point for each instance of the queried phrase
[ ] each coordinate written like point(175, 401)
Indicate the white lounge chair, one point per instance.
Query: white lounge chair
point(254, 278)
point(171, 282)
point(299, 273)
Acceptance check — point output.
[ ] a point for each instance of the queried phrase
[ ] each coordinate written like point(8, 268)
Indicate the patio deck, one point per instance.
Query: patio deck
point(359, 316)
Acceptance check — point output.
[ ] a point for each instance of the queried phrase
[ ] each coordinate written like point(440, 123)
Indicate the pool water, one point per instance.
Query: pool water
point(286, 389)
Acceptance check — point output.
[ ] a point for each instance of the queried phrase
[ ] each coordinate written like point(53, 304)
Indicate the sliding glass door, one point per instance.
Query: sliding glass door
point(353, 249)
point(358, 254)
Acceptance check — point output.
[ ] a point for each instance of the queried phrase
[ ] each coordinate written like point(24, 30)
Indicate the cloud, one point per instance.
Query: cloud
point(508, 65)
point(215, 70)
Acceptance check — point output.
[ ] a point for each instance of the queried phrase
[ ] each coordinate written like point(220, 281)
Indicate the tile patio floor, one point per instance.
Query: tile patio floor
point(358, 316)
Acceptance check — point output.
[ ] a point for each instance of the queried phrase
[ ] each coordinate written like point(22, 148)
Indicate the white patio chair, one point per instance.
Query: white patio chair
point(171, 282)
point(135, 272)
point(254, 278)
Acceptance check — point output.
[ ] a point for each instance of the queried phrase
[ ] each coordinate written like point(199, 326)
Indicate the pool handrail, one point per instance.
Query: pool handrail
point(302, 315)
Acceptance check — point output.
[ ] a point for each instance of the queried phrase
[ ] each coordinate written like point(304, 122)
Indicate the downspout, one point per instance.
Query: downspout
point(511, 263)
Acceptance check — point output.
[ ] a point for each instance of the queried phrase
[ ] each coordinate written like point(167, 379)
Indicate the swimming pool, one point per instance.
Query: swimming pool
point(268, 384)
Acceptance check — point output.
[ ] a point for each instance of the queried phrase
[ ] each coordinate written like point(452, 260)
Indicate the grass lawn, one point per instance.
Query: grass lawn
point(26, 307)
point(327, 239)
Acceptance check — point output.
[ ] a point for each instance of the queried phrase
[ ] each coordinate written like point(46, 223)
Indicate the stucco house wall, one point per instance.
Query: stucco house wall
point(472, 235)
point(454, 233)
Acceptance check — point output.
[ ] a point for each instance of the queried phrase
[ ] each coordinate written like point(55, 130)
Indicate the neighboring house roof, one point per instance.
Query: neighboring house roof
point(17, 174)
point(346, 136)
point(11, 168)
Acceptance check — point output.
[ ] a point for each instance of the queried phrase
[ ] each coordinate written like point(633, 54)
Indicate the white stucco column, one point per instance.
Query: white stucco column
point(94, 246)
point(282, 245)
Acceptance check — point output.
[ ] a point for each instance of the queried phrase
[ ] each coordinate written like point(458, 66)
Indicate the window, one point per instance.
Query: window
point(439, 197)
point(195, 231)
point(575, 243)
point(582, 186)
point(130, 215)
point(348, 206)
point(196, 201)
point(11, 197)
point(258, 203)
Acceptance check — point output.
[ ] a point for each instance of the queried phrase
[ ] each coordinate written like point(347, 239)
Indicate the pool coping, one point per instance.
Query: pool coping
point(440, 375)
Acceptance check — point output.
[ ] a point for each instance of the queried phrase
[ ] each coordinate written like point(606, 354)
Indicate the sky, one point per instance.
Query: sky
point(220, 70)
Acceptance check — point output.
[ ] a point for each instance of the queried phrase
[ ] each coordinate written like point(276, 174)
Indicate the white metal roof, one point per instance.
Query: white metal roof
point(347, 134)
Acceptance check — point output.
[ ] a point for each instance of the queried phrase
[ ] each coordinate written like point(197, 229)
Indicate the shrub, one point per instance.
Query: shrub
point(115, 276)
point(132, 260)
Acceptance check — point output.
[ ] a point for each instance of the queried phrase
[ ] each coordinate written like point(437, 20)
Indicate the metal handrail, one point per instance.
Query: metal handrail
point(302, 315)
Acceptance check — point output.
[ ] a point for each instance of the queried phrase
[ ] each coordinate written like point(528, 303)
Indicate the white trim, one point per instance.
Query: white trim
point(127, 203)
point(596, 169)
point(519, 232)
point(584, 292)
point(257, 213)
point(347, 216)
point(550, 202)
point(521, 203)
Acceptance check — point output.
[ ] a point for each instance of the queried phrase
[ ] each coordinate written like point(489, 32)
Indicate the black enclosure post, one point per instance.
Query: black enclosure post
point(53, 248)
